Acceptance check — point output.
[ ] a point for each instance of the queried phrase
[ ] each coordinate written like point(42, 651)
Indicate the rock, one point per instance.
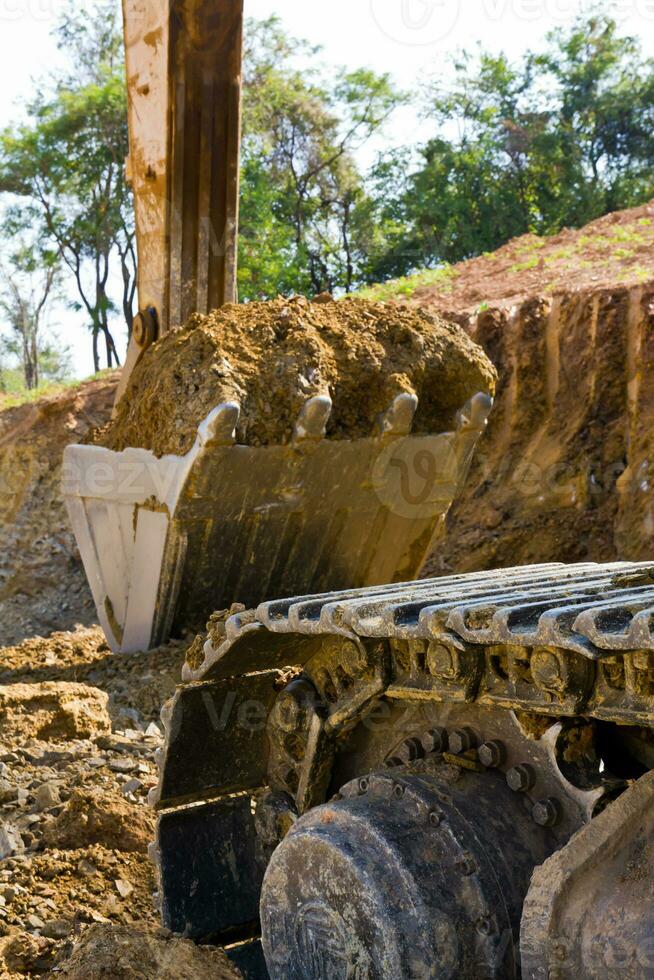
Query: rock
point(28, 954)
point(122, 765)
point(131, 786)
point(120, 952)
point(127, 718)
point(97, 817)
point(123, 887)
point(57, 928)
point(52, 710)
point(8, 792)
point(34, 921)
point(11, 841)
point(153, 730)
point(47, 795)
point(86, 868)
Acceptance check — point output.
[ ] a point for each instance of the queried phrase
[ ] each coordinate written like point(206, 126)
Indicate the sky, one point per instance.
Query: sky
point(411, 39)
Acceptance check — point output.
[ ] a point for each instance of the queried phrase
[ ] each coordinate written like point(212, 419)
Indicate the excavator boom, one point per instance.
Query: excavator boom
point(183, 62)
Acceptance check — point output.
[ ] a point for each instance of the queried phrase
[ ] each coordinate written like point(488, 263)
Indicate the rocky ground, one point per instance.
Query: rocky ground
point(78, 729)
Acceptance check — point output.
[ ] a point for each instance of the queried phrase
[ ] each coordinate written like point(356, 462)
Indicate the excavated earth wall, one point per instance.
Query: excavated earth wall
point(566, 468)
point(42, 583)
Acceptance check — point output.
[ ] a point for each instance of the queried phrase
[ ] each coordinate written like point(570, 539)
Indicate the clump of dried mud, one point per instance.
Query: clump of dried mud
point(272, 357)
point(128, 953)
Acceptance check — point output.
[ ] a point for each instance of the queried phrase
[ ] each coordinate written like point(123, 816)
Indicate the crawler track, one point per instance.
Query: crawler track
point(252, 745)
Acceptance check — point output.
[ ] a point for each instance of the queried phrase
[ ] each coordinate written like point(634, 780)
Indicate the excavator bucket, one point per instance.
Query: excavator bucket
point(167, 541)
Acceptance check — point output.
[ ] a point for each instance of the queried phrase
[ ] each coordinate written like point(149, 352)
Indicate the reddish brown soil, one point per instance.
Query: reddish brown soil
point(271, 357)
point(616, 250)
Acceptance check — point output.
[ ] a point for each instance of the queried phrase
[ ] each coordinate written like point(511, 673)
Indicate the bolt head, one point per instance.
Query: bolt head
point(461, 740)
point(363, 784)
point(466, 864)
point(435, 740)
point(292, 705)
point(410, 750)
point(441, 661)
point(484, 925)
point(521, 778)
point(492, 754)
point(144, 327)
point(547, 812)
point(436, 817)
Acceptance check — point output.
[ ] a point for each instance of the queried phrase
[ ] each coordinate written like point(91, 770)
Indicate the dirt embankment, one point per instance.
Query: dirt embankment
point(42, 584)
point(272, 357)
point(615, 250)
point(78, 731)
point(566, 468)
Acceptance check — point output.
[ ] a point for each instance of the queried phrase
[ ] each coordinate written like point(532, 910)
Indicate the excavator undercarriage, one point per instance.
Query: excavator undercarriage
point(447, 778)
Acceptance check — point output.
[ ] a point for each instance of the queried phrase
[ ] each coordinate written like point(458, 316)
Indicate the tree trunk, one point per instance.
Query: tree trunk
point(112, 354)
point(96, 355)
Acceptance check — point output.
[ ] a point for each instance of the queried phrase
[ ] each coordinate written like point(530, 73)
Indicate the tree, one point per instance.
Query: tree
point(557, 139)
point(603, 119)
point(29, 279)
point(304, 205)
point(66, 168)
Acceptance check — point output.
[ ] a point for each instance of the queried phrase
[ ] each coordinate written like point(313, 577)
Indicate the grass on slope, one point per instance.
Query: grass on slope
point(13, 391)
point(406, 286)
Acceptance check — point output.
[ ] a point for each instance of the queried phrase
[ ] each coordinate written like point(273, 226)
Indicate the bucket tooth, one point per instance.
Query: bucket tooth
point(312, 421)
point(475, 412)
point(398, 417)
point(219, 427)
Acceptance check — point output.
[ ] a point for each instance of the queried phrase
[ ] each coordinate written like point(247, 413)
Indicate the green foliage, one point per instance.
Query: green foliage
point(65, 168)
point(13, 391)
point(307, 219)
point(406, 286)
point(556, 140)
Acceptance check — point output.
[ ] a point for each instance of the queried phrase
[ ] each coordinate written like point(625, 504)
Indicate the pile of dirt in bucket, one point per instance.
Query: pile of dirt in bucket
point(272, 357)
